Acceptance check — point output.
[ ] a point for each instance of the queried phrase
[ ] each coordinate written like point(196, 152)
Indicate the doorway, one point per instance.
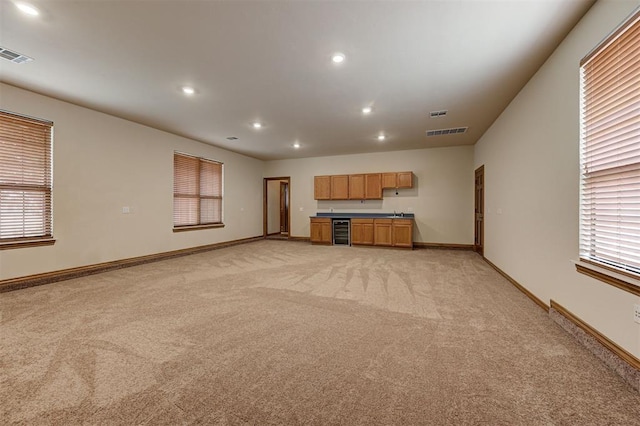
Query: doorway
point(479, 212)
point(276, 207)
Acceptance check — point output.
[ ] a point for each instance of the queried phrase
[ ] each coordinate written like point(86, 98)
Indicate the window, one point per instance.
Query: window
point(197, 192)
point(25, 181)
point(610, 152)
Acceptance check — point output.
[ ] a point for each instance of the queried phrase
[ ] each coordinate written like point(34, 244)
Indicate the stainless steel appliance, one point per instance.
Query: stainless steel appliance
point(341, 232)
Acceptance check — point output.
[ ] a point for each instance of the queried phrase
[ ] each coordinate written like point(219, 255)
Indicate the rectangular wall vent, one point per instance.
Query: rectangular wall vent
point(436, 114)
point(447, 131)
point(15, 57)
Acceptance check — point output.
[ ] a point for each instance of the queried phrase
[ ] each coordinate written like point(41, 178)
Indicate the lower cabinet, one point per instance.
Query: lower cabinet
point(362, 232)
point(320, 230)
point(402, 233)
point(383, 231)
point(367, 232)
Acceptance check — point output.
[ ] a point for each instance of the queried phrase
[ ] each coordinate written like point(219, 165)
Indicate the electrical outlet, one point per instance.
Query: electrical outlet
point(301, 209)
point(636, 313)
point(126, 210)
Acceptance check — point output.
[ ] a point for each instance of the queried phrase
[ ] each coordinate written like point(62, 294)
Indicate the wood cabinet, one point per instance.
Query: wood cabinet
point(356, 187)
point(365, 187)
point(322, 187)
point(361, 186)
point(340, 187)
point(404, 180)
point(362, 232)
point(383, 232)
point(320, 230)
point(397, 180)
point(373, 186)
point(402, 234)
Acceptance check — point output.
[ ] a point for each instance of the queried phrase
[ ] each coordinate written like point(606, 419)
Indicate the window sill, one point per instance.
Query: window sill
point(8, 245)
point(621, 281)
point(197, 227)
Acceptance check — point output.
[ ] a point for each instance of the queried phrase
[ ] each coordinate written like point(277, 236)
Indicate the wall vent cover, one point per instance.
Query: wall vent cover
point(436, 114)
point(15, 57)
point(453, 131)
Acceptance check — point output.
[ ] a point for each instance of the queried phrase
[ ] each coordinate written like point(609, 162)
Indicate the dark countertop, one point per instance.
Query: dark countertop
point(365, 215)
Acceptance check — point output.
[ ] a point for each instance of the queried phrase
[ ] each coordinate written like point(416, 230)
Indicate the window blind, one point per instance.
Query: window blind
point(197, 191)
point(610, 151)
point(25, 178)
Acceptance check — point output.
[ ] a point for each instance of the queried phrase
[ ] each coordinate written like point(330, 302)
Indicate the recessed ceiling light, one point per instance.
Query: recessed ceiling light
point(188, 90)
point(296, 145)
point(381, 137)
point(338, 58)
point(28, 9)
point(366, 110)
point(257, 125)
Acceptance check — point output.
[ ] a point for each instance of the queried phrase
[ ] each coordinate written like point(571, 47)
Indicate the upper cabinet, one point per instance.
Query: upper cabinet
point(322, 187)
point(340, 187)
point(397, 180)
point(356, 187)
point(359, 186)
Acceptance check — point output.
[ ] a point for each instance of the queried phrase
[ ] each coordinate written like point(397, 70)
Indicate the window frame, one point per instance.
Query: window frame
point(30, 124)
point(598, 170)
point(196, 178)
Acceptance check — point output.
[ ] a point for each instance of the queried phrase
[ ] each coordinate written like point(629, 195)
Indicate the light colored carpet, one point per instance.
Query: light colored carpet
point(278, 332)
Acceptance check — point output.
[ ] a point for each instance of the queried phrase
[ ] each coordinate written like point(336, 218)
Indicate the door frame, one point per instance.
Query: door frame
point(265, 224)
point(478, 240)
point(284, 199)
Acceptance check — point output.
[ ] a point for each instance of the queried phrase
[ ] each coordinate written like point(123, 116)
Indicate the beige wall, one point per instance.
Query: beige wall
point(531, 158)
point(103, 163)
point(442, 197)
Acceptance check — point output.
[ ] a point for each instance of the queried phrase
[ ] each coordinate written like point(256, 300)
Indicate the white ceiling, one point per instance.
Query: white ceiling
point(270, 61)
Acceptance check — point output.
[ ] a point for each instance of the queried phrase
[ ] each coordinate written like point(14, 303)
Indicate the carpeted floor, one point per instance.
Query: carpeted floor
point(278, 332)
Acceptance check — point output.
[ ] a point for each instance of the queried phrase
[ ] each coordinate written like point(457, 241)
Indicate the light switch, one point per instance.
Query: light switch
point(126, 210)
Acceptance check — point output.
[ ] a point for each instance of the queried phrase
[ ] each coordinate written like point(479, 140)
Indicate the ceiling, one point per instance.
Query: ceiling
point(270, 61)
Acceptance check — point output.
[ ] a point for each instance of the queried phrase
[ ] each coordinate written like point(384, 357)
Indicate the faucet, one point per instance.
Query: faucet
point(394, 213)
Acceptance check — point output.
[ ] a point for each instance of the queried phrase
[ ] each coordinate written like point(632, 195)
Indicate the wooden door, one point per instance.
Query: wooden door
point(479, 211)
point(284, 207)
point(382, 229)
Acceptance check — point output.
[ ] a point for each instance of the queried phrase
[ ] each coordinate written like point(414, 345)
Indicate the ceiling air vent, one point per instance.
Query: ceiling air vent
point(14, 57)
point(232, 138)
point(436, 114)
point(446, 131)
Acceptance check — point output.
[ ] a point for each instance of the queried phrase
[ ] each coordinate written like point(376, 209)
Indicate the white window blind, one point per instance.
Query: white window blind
point(197, 191)
point(610, 151)
point(25, 178)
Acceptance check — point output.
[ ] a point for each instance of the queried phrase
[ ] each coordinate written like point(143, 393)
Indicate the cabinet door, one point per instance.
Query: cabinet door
point(389, 180)
point(340, 187)
point(373, 186)
point(362, 231)
point(404, 180)
point(320, 231)
point(322, 187)
point(403, 233)
point(356, 187)
point(382, 232)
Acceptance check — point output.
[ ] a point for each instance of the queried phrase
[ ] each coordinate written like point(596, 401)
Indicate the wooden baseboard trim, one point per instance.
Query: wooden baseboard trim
point(81, 271)
point(601, 338)
point(294, 238)
point(445, 246)
point(518, 286)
